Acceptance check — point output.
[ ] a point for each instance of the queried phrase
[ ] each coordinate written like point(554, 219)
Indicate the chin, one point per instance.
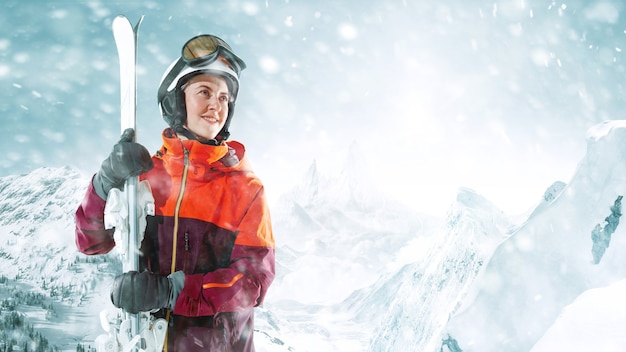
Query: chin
point(202, 136)
point(209, 136)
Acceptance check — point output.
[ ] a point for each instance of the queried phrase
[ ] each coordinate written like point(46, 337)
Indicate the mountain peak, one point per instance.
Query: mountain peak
point(469, 198)
point(548, 262)
point(476, 208)
point(606, 129)
point(350, 186)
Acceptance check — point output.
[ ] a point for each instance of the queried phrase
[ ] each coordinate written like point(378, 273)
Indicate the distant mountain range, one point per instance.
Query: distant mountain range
point(356, 270)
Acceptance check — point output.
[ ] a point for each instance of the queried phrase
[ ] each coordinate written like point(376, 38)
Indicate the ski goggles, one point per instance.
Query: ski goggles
point(205, 49)
point(203, 52)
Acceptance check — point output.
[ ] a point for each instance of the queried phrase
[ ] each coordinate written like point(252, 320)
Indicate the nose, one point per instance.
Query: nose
point(213, 103)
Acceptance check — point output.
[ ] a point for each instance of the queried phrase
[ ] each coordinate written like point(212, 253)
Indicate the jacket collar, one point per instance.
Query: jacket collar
point(199, 153)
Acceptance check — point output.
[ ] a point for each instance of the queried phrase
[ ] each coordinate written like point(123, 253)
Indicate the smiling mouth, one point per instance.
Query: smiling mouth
point(210, 119)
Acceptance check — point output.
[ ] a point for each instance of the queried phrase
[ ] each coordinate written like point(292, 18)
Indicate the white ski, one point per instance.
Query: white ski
point(130, 332)
point(126, 42)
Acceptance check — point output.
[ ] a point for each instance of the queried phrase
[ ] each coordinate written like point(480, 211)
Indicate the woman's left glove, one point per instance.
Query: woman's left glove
point(142, 292)
point(127, 159)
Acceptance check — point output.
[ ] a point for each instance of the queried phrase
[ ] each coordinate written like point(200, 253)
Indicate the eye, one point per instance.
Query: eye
point(224, 98)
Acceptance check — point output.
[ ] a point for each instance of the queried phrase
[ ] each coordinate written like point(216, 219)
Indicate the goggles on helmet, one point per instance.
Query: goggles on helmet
point(205, 48)
point(199, 53)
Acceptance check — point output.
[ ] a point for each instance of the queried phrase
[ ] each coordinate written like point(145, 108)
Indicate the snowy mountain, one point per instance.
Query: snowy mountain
point(419, 298)
point(595, 321)
point(38, 255)
point(372, 275)
point(37, 225)
point(337, 235)
point(357, 271)
point(540, 270)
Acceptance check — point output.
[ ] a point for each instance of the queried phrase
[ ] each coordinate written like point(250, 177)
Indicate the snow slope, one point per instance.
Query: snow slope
point(37, 232)
point(548, 262)
point(37, 251)
point(412, 307)
point(595, 321)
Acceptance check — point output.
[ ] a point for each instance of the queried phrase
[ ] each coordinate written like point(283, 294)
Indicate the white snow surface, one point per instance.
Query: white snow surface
point(595, 321)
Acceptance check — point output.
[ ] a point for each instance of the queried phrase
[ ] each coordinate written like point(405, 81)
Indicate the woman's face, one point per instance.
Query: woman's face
point(206, 100)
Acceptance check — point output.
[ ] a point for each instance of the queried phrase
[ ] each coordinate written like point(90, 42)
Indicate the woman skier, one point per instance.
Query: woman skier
point(207, 256)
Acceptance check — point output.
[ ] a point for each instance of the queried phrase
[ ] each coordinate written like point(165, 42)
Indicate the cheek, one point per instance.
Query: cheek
point(190, 103)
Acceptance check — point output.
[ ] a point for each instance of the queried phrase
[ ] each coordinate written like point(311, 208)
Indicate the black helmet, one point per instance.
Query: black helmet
point(201, 54)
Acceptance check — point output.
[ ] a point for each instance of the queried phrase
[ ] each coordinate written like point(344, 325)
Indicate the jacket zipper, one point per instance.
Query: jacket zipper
point(183, 184)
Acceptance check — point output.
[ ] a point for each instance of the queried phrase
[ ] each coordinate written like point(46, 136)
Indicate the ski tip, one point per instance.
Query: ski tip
point(139, 23)
point(119, 22)
point(120, 18)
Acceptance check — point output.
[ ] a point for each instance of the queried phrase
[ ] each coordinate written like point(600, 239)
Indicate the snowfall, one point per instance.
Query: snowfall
point(442, 176)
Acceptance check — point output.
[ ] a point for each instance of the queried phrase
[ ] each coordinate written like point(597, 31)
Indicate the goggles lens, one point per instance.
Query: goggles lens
point(202, 46)
point(207, 48)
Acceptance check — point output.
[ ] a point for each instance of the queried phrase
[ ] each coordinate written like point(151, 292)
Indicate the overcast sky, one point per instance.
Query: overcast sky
point(496, 96)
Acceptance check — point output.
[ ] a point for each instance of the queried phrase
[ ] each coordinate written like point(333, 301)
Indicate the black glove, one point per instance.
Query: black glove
point(142, 292)
point(127, 159)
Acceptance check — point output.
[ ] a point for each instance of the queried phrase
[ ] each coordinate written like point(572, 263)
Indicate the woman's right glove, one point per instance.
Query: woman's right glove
point(126, 160)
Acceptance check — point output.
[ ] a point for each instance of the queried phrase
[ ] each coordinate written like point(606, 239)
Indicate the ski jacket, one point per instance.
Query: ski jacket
point(212, 222)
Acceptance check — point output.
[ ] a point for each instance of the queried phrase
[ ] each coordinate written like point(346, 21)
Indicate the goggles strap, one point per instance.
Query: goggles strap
point(167, 81)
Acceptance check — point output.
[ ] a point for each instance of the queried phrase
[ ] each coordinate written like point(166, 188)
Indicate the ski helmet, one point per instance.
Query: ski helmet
point(202, 54)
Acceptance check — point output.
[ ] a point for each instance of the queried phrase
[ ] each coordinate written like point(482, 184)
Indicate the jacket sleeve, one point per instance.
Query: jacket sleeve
point(91, 236)
point(244, 283)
